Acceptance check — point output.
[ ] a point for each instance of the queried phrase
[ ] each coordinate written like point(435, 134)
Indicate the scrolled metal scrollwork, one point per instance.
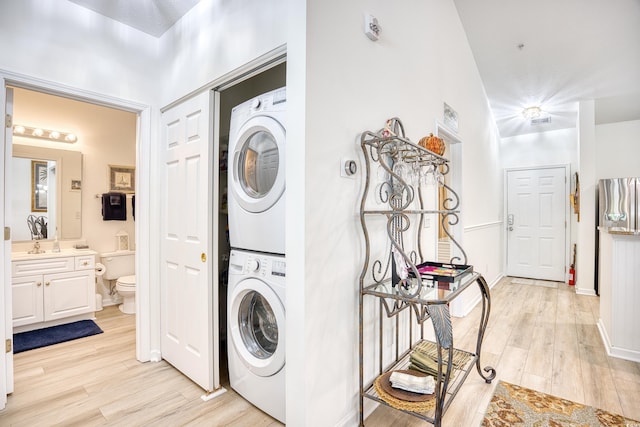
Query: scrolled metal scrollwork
point(450, 219)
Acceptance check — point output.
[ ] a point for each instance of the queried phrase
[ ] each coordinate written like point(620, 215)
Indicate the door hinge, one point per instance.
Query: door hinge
point(7, 346)
point(7, 233)
point(8, 121)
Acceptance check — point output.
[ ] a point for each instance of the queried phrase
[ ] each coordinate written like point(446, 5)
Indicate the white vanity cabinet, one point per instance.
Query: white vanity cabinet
point(52, 291)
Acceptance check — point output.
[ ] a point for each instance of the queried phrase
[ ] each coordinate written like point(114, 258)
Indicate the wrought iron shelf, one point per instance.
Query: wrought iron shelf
point(431, 293)
point(458, 376)
point(398, 173)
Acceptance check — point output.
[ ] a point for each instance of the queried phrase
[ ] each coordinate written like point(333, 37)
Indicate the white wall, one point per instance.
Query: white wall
point(215, 38)
point(65, 43)
point(557, 147)
point(589, 158)
point(618, 149)
point(351, 85)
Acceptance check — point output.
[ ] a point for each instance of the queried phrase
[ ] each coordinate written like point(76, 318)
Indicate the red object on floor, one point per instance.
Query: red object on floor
point(572, 275)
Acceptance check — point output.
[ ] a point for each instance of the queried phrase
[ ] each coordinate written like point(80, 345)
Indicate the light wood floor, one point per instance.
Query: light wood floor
point(538, 337)
point(542, 338)
point(96, 381)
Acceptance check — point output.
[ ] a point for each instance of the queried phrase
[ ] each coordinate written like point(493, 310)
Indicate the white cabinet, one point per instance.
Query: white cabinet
point(51, 291)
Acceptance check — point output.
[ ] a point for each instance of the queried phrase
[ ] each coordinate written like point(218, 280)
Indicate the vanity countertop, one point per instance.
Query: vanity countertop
point(21, 256)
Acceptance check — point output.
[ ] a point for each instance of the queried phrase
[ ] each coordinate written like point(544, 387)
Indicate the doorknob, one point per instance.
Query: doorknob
point(203, 257)
point(510, 228)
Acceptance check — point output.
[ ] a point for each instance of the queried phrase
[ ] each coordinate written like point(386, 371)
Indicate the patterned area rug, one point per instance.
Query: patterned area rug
point(513, 405)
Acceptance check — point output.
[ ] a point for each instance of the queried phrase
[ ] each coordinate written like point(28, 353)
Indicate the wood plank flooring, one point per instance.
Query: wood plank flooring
point(542, 338)
point(538, 337)
point(96, 381)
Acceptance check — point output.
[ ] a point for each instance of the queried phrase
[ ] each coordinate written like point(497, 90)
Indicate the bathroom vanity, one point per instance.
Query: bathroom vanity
point(50, 289)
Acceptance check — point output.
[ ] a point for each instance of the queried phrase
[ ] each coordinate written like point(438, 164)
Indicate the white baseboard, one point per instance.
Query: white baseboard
point(618, 352)
point(470, 305)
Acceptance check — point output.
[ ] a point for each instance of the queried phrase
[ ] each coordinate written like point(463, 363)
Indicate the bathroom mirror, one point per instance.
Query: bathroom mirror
point(59, 211)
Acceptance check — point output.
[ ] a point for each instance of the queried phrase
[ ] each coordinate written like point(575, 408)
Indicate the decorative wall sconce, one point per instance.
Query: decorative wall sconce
point(46, 134)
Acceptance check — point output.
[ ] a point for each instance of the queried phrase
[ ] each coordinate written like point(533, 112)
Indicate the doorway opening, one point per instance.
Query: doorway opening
point(70, 213)
point(231, 95)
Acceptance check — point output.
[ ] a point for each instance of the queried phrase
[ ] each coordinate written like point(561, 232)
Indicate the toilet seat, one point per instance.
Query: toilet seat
point(127, 281)
point(126, 287)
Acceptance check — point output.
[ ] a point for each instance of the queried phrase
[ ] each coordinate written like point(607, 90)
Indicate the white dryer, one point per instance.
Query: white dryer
point(257, 137)
point(256, 329)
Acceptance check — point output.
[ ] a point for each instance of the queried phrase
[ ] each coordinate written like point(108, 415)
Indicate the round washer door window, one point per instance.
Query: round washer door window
point(258, 325)
point(257, 319)
point(258, 164)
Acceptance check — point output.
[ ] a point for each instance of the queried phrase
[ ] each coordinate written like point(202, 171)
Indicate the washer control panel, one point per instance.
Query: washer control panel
point(255, 264)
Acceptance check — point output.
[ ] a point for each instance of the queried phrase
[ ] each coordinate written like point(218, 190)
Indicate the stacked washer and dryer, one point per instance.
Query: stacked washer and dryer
point(257, 268)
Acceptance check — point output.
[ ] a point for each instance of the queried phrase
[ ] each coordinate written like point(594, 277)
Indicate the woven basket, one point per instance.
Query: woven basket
point(402, 399)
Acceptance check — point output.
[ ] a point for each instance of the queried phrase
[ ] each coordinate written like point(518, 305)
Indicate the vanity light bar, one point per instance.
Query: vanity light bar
point(49, 135)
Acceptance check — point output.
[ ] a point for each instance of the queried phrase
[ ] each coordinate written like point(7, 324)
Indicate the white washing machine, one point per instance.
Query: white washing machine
point(256, 329)
point(256, 168)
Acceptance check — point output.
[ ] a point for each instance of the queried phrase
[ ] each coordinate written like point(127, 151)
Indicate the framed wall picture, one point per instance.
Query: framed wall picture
point(122, 179)
point(39, 183)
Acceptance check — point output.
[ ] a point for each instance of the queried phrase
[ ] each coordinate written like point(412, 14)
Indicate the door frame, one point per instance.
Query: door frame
point(567, 213)
point(145, 238)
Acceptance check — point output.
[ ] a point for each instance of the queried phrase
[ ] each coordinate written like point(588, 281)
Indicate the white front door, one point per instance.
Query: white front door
point(188, 286)
point(536, 203)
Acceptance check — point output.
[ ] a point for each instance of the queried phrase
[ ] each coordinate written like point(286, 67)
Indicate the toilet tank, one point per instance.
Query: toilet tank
point(118, 264)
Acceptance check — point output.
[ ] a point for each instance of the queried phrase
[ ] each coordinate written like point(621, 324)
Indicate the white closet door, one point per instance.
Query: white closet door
point(188, 310)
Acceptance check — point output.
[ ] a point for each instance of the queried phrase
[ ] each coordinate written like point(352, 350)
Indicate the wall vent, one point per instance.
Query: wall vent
point(540, 121)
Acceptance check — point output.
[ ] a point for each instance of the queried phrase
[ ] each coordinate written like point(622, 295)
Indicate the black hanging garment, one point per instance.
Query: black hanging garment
point(114, 207)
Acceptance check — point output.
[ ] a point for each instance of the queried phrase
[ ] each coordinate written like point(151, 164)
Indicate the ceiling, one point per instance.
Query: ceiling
point(153, 17)
point(553, 54)
point(546, 53)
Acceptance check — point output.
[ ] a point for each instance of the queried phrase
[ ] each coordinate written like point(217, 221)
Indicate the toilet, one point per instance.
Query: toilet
point(121, 267)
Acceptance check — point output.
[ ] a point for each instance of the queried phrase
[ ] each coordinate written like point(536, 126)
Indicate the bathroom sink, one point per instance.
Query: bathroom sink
point(48, 254)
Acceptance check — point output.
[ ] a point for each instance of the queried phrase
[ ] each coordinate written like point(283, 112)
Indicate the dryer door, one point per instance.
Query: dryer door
point(257, 172)
point(256, 322)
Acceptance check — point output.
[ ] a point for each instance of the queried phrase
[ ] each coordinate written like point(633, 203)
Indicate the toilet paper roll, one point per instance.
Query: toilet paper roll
point(100, 269)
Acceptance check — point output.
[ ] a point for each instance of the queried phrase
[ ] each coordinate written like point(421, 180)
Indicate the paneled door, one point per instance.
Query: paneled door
point(536, 221)
point(6, 309)
point(188, 311)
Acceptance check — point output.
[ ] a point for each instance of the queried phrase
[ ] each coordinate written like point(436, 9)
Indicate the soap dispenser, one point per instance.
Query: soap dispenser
point(56, 244)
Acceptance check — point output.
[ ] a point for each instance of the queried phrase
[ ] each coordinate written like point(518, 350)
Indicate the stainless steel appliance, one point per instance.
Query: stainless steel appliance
point(618, 205)
point(618, 212)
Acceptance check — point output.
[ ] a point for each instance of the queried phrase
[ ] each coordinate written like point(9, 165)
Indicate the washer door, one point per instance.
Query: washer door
point(257, 173)
point(256, 320)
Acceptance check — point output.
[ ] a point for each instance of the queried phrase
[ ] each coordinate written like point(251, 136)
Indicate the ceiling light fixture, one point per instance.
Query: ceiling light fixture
point(531, 112)
point(49, 135)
